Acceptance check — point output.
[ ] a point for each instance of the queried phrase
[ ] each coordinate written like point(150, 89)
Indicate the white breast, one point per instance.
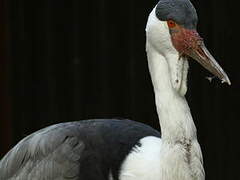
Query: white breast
point(143, 162)
point(155, 160)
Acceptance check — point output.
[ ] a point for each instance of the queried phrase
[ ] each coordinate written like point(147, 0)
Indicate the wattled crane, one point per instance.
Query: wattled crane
point(111, 149)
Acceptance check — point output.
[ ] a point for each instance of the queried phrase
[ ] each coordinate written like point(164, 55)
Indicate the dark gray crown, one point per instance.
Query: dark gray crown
point(180, 11)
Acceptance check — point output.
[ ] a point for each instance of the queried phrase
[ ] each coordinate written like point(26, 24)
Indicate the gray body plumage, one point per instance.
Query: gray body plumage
point(51, 153)
point(85, 150)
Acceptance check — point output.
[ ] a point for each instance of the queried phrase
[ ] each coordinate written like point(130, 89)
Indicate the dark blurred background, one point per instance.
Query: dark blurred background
point(72, 60)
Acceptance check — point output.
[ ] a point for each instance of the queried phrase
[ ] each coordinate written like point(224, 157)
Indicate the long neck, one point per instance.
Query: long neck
point(174, 114)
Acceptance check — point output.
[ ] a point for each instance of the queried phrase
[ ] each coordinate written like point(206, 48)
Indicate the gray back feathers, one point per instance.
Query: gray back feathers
point(51, 153)
point(86, 150)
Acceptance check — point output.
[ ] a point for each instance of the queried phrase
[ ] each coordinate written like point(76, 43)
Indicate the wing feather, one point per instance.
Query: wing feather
point(51, 153)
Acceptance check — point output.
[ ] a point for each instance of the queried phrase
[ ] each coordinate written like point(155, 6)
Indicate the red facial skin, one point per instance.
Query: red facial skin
point(184, 40)
point(188, 43)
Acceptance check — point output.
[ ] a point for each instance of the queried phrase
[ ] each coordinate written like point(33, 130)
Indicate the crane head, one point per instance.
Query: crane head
point(178, 19)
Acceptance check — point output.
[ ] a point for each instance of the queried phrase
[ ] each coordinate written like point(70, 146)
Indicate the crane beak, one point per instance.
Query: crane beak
point(188, 42)
point(203, 56)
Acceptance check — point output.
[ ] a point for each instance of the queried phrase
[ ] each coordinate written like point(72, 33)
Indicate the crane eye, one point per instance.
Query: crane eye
point(171, 24)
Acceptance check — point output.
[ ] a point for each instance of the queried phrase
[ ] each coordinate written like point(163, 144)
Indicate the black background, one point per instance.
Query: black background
point(72, 60)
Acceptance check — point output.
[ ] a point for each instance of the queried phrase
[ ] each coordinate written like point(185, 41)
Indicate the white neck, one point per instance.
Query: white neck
point(169, 83)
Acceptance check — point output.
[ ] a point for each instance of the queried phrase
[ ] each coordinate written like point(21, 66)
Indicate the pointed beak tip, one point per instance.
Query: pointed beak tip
point(203, 56)
point(226, 80)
